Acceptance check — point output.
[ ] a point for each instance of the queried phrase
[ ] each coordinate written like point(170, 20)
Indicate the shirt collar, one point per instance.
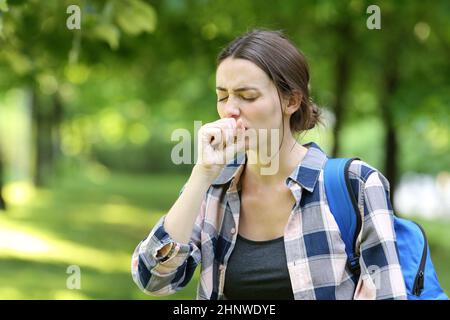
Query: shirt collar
point(306, 173)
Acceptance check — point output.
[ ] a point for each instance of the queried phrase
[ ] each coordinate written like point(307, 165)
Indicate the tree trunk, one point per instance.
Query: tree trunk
point(57, 117)
point(42, 139)
point(391, 158)
point(2, 200)
point(390, 84)
point(342, 77)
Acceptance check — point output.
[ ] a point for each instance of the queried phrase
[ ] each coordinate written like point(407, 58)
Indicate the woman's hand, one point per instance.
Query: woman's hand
point(218, 143)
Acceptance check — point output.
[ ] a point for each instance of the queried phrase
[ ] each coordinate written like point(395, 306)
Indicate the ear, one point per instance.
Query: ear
point(293, 102)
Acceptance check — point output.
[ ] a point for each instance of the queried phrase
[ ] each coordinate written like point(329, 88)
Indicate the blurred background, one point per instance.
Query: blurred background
point(86, 117)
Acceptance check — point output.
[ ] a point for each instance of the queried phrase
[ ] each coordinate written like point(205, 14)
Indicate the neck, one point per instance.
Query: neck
point(279, 167)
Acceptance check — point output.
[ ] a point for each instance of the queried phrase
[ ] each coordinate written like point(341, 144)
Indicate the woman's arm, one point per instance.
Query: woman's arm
point(180, 218)
point(381, 274)
point(165, 261)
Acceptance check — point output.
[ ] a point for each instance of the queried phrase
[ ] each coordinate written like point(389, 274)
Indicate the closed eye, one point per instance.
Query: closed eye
point(243, 98)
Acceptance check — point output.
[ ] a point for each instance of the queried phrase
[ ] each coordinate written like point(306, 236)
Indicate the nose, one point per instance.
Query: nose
point(231, 109)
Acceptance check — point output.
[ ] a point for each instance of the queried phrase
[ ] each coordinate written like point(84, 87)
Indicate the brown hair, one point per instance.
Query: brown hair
point(285, 65)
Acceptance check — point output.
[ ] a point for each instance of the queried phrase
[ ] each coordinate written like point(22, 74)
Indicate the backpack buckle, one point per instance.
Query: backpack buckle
point(353, 264)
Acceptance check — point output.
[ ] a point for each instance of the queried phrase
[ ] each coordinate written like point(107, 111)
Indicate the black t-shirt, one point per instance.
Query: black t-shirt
point(258, 270)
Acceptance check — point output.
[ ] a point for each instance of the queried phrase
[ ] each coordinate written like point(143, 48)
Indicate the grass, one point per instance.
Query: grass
point(96, 224)
point(91, 225)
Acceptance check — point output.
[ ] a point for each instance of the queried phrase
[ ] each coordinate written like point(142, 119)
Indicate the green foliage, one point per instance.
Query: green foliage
point(163, 55)
point(3, 6)
point(135, 16)
point(137, 70)
point(108, 33)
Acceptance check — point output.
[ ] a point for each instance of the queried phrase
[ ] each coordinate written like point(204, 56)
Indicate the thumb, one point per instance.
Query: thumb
point(239, 124)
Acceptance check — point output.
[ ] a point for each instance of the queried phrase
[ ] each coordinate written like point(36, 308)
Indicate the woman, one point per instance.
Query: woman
point(267, 236)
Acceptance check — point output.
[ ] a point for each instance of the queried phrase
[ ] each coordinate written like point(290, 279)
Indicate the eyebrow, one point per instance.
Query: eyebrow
point(238, 89)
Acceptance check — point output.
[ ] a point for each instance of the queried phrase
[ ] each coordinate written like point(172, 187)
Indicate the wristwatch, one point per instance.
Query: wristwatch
point(168, 254)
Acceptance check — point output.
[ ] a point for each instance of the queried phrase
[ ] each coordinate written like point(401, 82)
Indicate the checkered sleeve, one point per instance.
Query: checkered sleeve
point(381, 275)
point(153, 275)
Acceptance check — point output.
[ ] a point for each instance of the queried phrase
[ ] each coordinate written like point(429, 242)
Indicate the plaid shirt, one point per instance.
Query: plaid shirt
point(315, 252)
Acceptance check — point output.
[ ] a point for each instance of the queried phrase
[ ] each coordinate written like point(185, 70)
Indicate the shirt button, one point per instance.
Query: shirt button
point(233, 231)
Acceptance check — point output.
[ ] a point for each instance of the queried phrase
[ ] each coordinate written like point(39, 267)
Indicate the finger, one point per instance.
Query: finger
point(230, 135)
point(226, 123)
point(240, 130)
point(227, 131)
point(220, 132)
point(231, 150)
point(239, 124)
point(212, 136)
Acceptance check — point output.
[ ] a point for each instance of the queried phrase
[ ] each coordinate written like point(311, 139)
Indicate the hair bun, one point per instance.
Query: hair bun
point(315, 114)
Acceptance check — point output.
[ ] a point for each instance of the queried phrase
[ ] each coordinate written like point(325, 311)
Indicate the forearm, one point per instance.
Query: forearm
point(181, 217)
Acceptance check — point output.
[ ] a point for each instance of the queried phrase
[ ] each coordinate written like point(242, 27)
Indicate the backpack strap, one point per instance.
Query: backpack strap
point(343, 205)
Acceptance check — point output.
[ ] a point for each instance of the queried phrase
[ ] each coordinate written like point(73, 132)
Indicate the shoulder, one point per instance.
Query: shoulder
point(367, 174)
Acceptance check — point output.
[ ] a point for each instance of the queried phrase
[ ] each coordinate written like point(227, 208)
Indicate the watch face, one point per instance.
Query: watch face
point(168, 254)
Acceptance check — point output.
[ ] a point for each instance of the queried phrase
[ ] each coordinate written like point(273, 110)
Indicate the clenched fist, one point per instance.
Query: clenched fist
point(218, 143)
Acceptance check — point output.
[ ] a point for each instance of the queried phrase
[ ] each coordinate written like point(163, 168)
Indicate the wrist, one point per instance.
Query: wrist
point(206, 174)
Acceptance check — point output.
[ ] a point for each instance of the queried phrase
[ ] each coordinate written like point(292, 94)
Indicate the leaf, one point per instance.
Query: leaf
point(108, 33)
point(135, 17)
point(19, 62)
point(3, 6)
point(2, 35)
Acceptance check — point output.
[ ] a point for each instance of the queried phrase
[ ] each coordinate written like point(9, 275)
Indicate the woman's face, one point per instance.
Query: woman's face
point(245, 91)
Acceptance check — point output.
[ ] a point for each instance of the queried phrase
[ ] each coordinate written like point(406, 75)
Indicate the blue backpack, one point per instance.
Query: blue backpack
point(418, 271)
